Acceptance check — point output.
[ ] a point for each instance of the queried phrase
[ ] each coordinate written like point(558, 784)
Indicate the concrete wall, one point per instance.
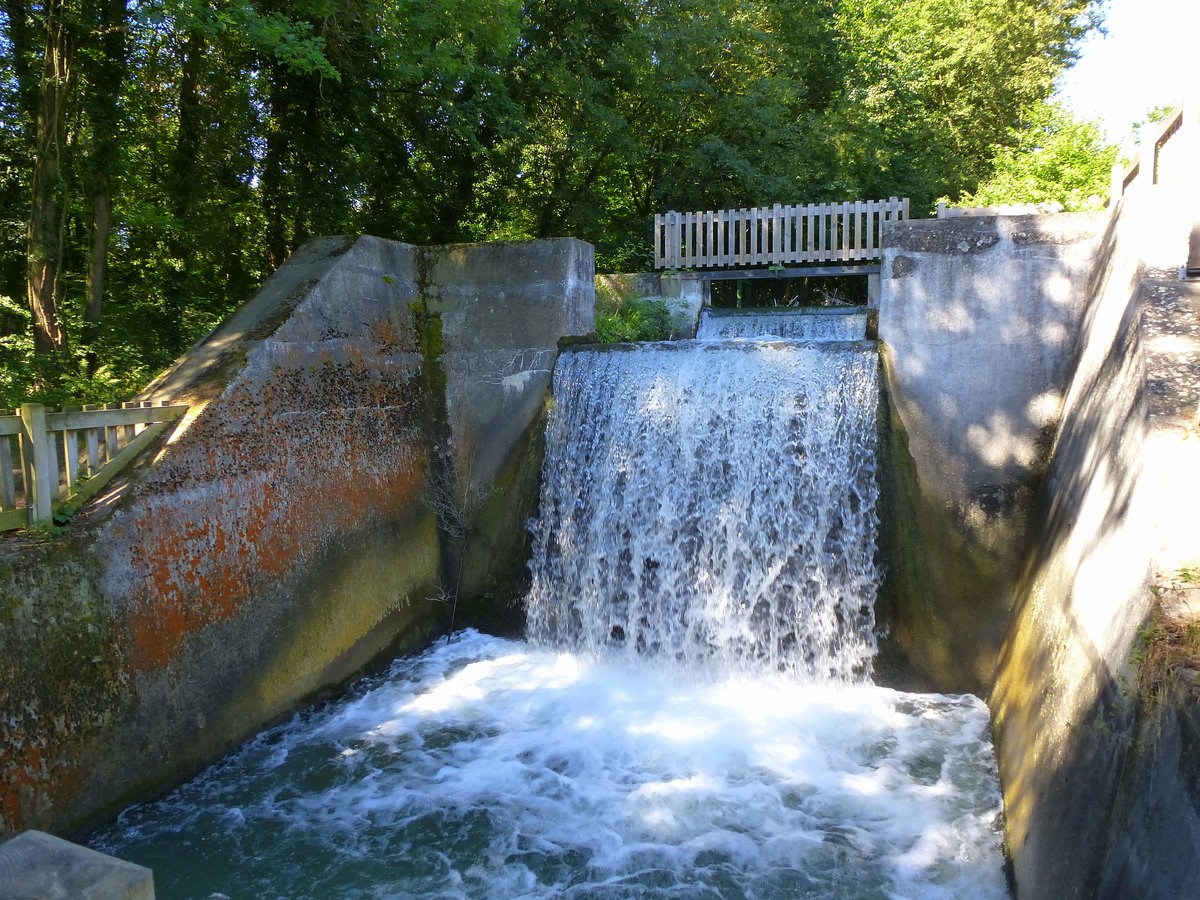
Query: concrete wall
point(977, 318)
point(295, 526)
point(1098, 760)
point(1021, 343)
point(501, 309)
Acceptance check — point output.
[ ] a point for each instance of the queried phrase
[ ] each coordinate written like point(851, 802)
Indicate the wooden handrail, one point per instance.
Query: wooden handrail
point(48, 463)
point(776, 235)
point(1145, 168)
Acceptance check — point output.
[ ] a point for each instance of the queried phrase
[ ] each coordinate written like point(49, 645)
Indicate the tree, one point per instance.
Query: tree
point(60, 31)
point(158, 159)
point(1054, 159)
point(944, 82)
point(104, 66)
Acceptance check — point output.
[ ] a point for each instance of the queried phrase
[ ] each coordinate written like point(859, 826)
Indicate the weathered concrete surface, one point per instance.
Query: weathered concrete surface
point(977, 317)
point(502, 309)
point(1102, 788)
point(980, 317)
point(685, 296)
point(500, 325)
point(293, 527)
point(38, 866)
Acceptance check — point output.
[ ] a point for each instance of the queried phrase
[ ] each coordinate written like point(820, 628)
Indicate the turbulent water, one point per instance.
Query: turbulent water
point(713, 503)
point(800, 324)
point(692, 718)
point(487, 769)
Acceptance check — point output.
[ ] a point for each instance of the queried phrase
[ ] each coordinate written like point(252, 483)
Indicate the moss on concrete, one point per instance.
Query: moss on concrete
point(495, 572)
point(62, 680)
point(1154, 828)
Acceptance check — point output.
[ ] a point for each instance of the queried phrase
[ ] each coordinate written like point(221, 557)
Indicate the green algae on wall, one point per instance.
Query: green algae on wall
point(62, 678)
point(493, 575)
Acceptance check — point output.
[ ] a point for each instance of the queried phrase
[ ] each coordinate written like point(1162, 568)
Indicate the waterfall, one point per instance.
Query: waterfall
point(791, 323)
point(691, 717)
point(711, 503)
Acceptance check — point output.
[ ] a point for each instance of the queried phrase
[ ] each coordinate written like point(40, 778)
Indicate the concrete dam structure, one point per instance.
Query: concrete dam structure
point(1043, 375)
point(367, 441)
point(362, 449)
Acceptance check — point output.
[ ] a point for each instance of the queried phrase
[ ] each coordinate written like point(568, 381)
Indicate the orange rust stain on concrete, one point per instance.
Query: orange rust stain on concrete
point(22, 771)
point(25, 772)
point(384, 333)
point(12, 815)
point(199, 571)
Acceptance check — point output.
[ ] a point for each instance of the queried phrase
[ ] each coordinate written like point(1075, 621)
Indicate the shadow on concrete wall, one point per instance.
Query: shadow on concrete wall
point(977, 319)
point(1078, 746)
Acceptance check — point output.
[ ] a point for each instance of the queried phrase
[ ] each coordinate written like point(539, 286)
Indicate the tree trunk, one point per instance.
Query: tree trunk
point(274, 191)
point(103, 113)
point(46, 227)
point(183, 182)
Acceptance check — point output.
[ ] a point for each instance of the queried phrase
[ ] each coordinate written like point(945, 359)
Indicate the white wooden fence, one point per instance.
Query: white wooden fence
point(68, 456)
point(778, 235)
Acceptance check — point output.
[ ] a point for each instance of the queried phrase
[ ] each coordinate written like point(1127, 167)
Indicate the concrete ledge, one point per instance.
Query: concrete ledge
point(39, 866)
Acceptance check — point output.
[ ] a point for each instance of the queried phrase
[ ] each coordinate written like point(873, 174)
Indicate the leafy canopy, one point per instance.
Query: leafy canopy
point(1055, 161)
point(202, 143)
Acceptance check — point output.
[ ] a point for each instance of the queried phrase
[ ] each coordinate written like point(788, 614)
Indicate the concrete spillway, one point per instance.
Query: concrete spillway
point(790, 323)
point(692, 716)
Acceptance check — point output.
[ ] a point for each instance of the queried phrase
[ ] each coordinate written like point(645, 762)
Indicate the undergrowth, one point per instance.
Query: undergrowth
point(1167, 650)
point(620, 319)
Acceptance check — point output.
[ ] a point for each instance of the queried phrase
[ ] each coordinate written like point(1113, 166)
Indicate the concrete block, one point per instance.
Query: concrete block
point(979, 317)
point(39, 866)
point(292, 529)
point(503, 308)
point(685, 311)
point(874, 288)
point(982, 315)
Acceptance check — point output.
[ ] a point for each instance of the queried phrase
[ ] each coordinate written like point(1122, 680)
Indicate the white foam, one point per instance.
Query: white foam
point(712, 504)
point(488, 769)
point(716, 503)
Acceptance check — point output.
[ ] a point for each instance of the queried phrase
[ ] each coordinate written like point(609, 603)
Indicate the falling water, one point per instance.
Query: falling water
point(791, 323)
point(692, 718)
point(713, 503)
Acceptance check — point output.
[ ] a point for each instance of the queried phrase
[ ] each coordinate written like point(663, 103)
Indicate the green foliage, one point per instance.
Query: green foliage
point(26, 377)
point(1054, 160)
point(634, 319)
point(223, 136)
point(1167, 649)
point(624, 257)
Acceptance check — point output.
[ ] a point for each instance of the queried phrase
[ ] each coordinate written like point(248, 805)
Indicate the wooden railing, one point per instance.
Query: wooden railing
point(779, 235)
point(1168, 151)
point(66, 457)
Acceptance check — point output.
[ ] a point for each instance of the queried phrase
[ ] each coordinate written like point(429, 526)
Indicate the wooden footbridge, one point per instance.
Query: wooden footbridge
point(778, 241)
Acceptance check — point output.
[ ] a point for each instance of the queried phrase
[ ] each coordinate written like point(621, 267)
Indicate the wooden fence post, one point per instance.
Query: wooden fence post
point(37, 455)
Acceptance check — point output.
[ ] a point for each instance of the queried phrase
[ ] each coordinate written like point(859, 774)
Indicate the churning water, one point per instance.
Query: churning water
point(692, 717)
